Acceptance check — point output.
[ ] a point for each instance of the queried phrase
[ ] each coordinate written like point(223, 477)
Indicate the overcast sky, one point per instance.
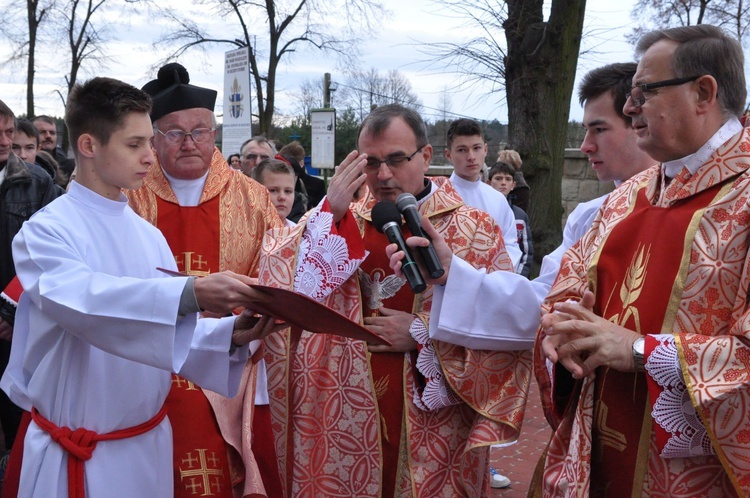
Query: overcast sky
point(393, 47)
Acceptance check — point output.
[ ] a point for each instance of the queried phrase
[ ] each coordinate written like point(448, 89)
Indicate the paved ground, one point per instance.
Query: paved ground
point(517, 462)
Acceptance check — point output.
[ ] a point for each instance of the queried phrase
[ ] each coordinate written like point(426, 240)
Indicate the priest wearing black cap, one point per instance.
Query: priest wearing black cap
point(213, 218)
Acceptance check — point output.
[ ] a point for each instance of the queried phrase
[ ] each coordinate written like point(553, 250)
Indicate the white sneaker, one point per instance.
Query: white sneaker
point(498, 481)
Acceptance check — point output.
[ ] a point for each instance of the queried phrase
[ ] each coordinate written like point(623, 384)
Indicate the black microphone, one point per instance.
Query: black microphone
point(407, 204)
point(387, 220)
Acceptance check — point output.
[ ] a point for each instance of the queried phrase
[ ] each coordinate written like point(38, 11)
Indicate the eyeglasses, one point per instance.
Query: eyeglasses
point(638, 93)
point(255, 157)
point(393, 162)
point(199, 135)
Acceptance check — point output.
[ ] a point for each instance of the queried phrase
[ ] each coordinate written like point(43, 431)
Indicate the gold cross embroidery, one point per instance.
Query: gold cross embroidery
point(193, 264)
point(179, 381)
point(200, 477)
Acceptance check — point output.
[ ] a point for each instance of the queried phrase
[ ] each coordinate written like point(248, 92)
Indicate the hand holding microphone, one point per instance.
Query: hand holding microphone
point(407, 204)
point(387, 220)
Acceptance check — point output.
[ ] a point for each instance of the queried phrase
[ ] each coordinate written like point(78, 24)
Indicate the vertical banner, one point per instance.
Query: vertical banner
point(323, 138)
point(238, 99)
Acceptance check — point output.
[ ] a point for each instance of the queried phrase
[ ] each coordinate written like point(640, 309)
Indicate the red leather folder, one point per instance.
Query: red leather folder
point(306, 313)
point(301, 311)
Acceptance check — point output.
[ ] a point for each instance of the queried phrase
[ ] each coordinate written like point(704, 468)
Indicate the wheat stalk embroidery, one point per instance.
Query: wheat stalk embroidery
point(631, 288)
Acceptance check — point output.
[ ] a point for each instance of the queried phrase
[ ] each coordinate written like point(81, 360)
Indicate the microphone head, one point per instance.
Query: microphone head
point(406, 200)
point(385, 212)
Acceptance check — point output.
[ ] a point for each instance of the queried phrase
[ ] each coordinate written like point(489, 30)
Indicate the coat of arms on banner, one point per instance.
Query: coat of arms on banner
point(235, 100)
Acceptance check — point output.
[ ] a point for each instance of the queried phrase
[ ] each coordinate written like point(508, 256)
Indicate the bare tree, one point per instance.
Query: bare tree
point(309, 97)
point(35, 16)
point(534, 61)
point(369, 89)
point(84, 40)
point(290, 25)
point(78, 29)
point(731, 15)
point(85, 25)
point(480, 59)
point(540, 73)
point(737, 14)
point(83, 37)
point(24, 42)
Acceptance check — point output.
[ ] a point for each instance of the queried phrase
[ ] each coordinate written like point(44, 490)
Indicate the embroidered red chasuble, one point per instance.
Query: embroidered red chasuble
point(200, 453)
point(698, 378)
point(324, 394)
point(383, 288)
point(634, 276)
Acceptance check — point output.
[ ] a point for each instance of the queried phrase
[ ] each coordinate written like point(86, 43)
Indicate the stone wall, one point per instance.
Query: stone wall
point(579, 183)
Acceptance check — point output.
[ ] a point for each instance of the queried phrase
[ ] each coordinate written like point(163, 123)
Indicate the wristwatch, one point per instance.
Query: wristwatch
point(639, 350)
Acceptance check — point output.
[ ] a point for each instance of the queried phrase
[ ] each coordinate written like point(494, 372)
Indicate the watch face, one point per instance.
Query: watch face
point(640, 346)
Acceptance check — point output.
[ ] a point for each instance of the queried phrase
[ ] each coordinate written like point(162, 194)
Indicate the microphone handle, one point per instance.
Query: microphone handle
point(408, 265)
point(429, 255)
point(431, 260)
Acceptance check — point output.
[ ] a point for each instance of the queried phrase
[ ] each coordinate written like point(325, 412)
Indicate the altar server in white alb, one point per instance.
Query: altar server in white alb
point(99, 328)
point(466, 151)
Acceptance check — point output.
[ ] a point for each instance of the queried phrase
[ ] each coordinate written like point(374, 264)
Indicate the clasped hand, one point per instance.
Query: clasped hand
point(582, 341)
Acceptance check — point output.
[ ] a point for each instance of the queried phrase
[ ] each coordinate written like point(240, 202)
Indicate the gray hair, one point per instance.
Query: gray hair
point(260, 140)
point(705, 49)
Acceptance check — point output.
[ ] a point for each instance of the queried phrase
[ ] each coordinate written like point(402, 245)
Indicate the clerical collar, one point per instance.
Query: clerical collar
point(695, 160)
point(426, 191)
point(188, 192)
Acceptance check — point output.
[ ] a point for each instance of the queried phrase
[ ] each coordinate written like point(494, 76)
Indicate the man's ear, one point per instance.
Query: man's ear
point(427, 155)
point(708, 90)
point(448, 154)
point(87, 145)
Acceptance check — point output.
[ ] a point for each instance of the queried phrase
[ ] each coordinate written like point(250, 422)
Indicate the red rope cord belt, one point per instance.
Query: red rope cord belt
point(80, 443)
